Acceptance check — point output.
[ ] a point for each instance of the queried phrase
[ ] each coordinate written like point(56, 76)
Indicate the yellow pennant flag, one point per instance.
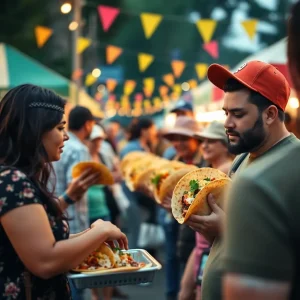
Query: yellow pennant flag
point(83, 44)
point(111, 84)
point(163, 90)
point(177, 89)
point(150, 22)
point(206, 28)
point(201, 70)
point(157, 103)
point(90, 79)
point(125, 103)
point(250, 26)
point(129, 86)
point(145, 61)
point(178, 67)
point(149, 85)
point(112, 53)
point(169, 79)
point(42, 35)
point(193, 83)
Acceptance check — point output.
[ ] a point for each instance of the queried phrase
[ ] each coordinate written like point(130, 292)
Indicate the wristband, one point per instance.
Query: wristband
point(67, 199)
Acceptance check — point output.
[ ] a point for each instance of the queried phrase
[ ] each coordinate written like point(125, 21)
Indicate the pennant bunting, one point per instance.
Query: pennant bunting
point(144, 61)
point(111, 84)
point(178, 67)
point(112, 53)
point(148, 92)
point(83, 44)
point(149, 83)
point(163, 90)
point(129, 86)
point(206, 28)
point(212, 48)
point(42, 35)
point(90, 79)
point(157, 103)
point(124, 101)
point(193, 83)
point(177, 89)
point(201, 70)
point(150, 23)
point(250, 27)
point(169, 79)
point(107, 15)
point(147, 105)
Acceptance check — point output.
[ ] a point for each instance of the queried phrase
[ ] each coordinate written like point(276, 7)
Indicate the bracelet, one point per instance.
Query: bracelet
point(67, 199)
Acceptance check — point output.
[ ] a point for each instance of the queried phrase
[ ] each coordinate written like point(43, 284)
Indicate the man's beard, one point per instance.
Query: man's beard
point(250, 140)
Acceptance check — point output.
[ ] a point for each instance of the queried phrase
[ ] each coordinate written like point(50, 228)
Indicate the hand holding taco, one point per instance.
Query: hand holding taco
point(190, 194)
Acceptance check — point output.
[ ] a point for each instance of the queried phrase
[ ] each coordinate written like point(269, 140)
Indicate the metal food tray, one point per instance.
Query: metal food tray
point(143, 275)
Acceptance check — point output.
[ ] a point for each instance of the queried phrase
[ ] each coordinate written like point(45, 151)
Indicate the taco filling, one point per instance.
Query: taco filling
point(158, 179)
point(123, 259)
point(190, 195)
point(96, 260)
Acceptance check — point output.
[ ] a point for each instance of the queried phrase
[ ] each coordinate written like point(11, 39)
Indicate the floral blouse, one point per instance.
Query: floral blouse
point(17, 190)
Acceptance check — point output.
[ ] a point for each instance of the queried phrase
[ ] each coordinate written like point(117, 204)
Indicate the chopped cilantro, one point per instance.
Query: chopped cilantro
point(194, 185)
point(155, 180)
point(207, 179)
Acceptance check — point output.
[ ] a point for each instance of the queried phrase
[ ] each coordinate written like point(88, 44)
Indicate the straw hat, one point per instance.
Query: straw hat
point(185, 126)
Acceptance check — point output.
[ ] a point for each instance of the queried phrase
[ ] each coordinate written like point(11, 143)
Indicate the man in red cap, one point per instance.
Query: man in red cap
point(255, 99)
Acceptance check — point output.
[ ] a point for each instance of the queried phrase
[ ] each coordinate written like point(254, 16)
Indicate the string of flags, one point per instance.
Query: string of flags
point(150, 23)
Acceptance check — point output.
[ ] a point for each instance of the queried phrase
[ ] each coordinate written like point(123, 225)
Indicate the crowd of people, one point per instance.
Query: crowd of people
point(50, 222)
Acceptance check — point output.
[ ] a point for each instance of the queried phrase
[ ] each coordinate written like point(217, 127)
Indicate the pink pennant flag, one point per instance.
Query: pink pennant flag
point(212, 48)
point(107, 14)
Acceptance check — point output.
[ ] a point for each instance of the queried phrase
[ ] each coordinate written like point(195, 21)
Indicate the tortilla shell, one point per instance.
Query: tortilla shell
point(104, 249)
point(131, 157)
point(105, 176)
point(168, 184)
point(143, 182)
point(138, 167)
point(200, 205)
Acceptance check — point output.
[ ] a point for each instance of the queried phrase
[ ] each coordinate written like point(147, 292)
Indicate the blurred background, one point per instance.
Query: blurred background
point(132, 58)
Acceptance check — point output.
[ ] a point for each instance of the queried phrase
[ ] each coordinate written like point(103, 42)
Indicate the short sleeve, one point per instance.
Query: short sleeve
point(257, 236)
point(15, 191)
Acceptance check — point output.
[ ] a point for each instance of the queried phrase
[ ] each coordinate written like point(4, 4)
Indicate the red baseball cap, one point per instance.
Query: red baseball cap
point(257, 76)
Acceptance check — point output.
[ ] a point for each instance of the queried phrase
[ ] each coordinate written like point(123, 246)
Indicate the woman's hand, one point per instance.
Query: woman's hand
point(112, 232)
point(79, 185)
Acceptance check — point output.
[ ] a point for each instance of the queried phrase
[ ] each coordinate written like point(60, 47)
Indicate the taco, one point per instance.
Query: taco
point(138, 167)
point(143, 182)
point(125, 262)
point(99, 260)
point(105, 176)
point(165, 182)
point(190, 194)
point(130, 158)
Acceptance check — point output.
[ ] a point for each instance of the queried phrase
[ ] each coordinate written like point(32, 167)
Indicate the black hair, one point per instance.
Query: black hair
point(136, 127)
point(294, 45)
point(78, 116)
point(21, 130)
point(233, 85)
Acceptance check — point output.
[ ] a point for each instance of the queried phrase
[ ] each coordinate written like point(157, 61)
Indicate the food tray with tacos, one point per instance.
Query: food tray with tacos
point(133, 266)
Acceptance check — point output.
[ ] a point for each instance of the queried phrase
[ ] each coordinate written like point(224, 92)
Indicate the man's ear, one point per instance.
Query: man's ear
point(271, 114)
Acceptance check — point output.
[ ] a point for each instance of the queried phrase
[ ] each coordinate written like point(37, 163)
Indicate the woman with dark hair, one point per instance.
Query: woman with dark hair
point(36, 249)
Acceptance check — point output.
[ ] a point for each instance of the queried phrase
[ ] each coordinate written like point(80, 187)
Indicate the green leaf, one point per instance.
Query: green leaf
point(194, 185)
point(207, 179)
point(155, 180)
